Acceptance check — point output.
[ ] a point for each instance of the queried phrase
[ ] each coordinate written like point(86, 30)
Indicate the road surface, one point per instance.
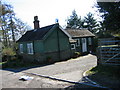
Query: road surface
point(71, 70)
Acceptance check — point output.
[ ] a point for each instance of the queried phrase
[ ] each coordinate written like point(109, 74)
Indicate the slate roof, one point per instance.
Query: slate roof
point(79, 33)
point(36, 34)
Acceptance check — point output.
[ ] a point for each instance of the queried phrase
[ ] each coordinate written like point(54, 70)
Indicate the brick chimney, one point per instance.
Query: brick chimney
point(36, 22)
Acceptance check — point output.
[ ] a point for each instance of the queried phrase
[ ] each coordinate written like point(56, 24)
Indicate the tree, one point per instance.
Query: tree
point(91, 23)
point(74, 21)
point(4, 23)
point(111, 15)
point(11, 27)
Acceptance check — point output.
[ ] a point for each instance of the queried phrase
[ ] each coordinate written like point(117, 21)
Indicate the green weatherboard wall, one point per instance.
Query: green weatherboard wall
point(56, 37)
point(55, 45)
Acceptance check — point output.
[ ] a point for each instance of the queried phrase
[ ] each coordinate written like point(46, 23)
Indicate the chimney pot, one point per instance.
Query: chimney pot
point(36, 22)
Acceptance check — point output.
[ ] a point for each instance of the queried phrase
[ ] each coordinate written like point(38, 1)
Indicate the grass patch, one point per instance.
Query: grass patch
point(107, 76)
point(110, 71)
point(2, 63)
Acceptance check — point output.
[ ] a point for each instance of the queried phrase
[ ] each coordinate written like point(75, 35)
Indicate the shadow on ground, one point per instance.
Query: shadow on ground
point(20, 65)
point(107, 76)
point(81, 86)
point(19, 69)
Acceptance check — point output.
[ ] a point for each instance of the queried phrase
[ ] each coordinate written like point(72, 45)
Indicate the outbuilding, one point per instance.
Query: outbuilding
point(84, 40)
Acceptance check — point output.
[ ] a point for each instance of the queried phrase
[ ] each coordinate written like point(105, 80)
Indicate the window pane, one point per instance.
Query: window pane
point(30, 48)
point(21, 48)
point(77, 42)
point(72, 46)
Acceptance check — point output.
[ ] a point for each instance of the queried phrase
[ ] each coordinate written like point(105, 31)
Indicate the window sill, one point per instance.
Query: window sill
point(30, 53)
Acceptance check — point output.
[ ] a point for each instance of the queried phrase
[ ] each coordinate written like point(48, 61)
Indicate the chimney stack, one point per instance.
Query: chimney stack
point(36, 22)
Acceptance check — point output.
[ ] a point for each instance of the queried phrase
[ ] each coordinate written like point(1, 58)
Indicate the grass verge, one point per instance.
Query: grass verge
point(105, 75)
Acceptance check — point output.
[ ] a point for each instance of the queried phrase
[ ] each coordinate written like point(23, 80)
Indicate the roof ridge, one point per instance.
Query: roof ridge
point(48, 26)
point(38, 33)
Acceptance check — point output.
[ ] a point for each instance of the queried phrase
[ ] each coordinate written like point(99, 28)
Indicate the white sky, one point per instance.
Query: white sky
point(48, 10)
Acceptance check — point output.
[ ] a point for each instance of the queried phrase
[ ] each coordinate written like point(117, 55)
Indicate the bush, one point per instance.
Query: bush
point(7, 53)
point(13, 64)
point(77, 54)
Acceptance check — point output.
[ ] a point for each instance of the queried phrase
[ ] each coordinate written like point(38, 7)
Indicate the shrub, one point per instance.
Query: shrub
point(77, 54)
point(7, 53)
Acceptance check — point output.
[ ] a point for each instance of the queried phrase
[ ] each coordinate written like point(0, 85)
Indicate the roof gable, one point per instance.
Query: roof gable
point(41, 33)
point(80, 33)
point(36, 34)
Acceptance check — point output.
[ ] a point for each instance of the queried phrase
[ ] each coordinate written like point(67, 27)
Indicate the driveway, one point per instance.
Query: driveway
point(71, 70)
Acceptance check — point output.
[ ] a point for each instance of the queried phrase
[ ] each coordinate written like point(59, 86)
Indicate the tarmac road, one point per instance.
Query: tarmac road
point(71, 70)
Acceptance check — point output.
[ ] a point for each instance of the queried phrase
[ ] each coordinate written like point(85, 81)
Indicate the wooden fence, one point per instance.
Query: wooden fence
point(108, 52)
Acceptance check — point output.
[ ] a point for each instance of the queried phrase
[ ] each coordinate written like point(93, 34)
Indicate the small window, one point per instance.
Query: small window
point(90, 41)
point(30, 48)
point(77, 42)
point(72, 46)
point(21, 48)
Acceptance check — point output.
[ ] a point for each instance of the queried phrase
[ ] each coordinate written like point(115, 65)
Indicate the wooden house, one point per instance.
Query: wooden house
point(40, 44)
point(84, 40)
point(53, 43)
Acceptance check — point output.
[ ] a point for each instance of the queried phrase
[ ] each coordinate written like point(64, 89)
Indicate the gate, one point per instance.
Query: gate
point(108, 51)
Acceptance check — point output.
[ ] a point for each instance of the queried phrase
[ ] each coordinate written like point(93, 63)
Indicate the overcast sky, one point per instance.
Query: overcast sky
point(48, 10)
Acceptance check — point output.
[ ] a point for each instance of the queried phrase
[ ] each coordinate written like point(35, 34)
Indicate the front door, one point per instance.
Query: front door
point(84, 45)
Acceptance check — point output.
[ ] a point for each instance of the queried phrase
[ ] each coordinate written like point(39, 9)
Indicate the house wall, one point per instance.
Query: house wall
point(78, 48)
point(26, 57)
point(57, 46)
point(73, 50)
point(89, 47)
point(38, 46)
point(48, 48)
point(92, 46)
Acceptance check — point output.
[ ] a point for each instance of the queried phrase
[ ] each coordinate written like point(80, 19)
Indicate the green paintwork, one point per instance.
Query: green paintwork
point(38, 47)
point(49, 44)
point(79, 48)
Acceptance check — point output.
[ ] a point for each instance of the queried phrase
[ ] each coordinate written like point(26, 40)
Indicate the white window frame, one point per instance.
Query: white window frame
point(30, 48)
point(78, 42)
point(21, 48)
point(90, 41)
point(73, 45)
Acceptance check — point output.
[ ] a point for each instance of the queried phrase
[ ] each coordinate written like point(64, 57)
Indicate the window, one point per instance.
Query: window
point(21, 48)
point(30, 48)
point(72, 46)
point(89, 41)
point(77, 42)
